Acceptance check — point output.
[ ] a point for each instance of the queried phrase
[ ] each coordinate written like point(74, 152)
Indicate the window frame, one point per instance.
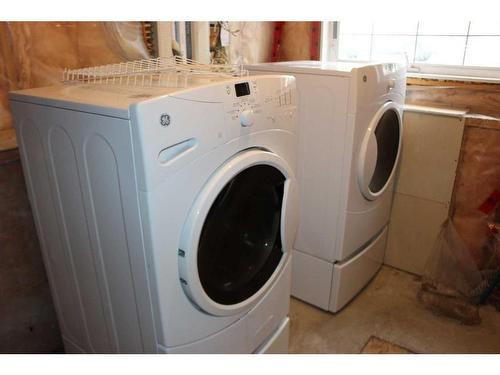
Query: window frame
point(329, 52)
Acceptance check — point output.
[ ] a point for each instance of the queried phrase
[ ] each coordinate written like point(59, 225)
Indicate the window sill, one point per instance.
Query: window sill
point(436, 111)
point(457, 78)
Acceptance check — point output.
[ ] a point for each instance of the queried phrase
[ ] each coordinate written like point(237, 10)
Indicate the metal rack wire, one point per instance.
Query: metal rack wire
point(157, 72)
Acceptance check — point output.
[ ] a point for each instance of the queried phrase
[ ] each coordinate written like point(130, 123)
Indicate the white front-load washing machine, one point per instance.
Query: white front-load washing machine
point(350, 127)
point(166, 216)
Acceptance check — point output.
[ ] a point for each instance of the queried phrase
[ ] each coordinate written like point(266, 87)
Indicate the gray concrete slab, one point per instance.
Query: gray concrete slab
point(388, 308)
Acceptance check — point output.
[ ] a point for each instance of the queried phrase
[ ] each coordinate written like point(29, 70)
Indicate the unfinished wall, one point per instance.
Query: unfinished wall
point(33, 54)
point(478, 175)
point(250, 42)
point(296, 41)
point(477, 98)
point(478, 170)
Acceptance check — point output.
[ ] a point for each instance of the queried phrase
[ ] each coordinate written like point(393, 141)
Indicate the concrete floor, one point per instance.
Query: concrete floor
point(28, 322)
point(388, 308)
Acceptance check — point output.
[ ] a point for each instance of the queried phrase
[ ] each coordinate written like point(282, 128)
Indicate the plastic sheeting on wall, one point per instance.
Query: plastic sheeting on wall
point(478, 176)
point(34, 54)
point(250, 42)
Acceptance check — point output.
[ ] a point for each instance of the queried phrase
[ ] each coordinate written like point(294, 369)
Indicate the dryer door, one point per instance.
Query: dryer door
point(239, 233)
point(380, 151)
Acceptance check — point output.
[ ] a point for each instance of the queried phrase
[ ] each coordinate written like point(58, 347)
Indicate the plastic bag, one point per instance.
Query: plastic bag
point(453, 285)
point(491, 268)
point(451, 281)
point(451, 268)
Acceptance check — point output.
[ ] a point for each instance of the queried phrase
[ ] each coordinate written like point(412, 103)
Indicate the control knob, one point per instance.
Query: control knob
point(246, 117)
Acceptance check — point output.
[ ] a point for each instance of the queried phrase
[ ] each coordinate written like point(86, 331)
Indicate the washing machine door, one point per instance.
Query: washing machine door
point(239, 233)
point(380, 150)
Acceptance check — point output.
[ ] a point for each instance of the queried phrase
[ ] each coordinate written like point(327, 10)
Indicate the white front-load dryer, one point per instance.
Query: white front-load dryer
point(166, 216)
point(350, 127)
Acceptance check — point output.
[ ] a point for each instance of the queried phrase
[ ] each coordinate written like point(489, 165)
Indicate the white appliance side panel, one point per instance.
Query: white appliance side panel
point(351, 276)
point(108, 200)
point(56, 260)
point(322, 121)
point(70, 205)
point(82, 186)
point(252, 329)
point(311, 279)
point(278, 342)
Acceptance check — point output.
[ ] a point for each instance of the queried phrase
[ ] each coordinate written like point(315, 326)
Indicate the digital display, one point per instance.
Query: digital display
point(242, 89)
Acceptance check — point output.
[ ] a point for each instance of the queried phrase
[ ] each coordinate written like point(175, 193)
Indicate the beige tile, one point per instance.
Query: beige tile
point(431, 148)
point(413, 228)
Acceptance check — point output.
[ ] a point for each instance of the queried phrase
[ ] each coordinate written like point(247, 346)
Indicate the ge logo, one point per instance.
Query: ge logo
point(165, 119)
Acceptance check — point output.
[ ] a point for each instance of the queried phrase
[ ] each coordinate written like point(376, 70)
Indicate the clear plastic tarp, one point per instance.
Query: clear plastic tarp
point(34, 54)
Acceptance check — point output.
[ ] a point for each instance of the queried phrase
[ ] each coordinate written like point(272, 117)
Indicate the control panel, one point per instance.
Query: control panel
point(244, 103)
point(176, 129)
point(249, 102)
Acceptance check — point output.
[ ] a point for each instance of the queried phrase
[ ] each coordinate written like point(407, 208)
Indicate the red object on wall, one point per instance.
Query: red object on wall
point(315, 40)
point(489, 204)
point(275, 52)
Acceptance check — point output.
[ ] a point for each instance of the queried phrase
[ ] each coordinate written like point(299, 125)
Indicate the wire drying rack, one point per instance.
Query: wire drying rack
point(173, 72)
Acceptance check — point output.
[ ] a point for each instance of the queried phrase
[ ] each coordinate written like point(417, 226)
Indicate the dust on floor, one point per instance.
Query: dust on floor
point(388, 309)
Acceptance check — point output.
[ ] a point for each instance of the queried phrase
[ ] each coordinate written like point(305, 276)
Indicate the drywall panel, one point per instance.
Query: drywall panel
point(414, 226)
point(424, 184)
point(429, 157)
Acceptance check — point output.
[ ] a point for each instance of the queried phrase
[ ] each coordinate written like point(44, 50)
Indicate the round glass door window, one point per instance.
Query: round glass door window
point(387, 138)
point(240, 244)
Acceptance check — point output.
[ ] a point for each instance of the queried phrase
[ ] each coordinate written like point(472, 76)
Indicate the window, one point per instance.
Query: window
point(462, 48)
